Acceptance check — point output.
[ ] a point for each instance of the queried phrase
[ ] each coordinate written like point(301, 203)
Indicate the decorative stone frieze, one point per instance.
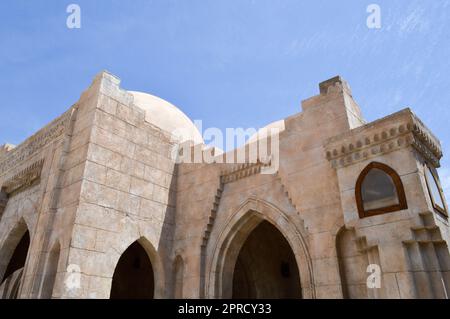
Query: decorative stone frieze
point(24, 178)
point(425, 142)
point(242, 171)
point(402, 129)
point(35, 143)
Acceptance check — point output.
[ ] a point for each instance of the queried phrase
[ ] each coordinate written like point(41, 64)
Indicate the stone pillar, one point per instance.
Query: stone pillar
point(421, 278)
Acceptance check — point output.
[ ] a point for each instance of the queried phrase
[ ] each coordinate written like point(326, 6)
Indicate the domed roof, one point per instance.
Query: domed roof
point(272, 128)
point(167, 117)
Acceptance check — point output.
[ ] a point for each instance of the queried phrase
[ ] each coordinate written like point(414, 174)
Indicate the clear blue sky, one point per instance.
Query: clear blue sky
point(230, 63)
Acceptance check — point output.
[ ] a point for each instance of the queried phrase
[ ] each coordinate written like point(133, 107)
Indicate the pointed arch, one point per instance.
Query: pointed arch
point(51, 271)
point(379, 190)
point(178, 277)
point(353, 263)
point(266, 266)
point(225, 249)
point(19, 234)
point(13, 255)
point(155, 260)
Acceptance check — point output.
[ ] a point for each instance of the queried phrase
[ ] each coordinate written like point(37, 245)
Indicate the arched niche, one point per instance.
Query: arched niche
point(232, 236)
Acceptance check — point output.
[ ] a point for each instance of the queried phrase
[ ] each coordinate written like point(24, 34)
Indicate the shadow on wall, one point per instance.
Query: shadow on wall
point(12, 277)
point(133, 277)
point(266, 266)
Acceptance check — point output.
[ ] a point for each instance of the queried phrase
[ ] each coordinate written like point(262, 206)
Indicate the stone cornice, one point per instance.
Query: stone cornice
point(241, 171)
point(34, 143)
point(399, 130)
point(425, 142)
point(24, 178)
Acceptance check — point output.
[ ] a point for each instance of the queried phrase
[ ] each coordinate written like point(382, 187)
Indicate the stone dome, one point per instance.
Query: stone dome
point(167, 117)
point(263, 132)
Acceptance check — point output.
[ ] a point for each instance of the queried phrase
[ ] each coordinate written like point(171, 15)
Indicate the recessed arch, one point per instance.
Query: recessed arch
point(178, 277)
point(151, 265)
point(19, 232)
point(51, 271)
point(13, 255)
point(352, 263)
point(225, 249)
point(266, 267)
point(379, 190)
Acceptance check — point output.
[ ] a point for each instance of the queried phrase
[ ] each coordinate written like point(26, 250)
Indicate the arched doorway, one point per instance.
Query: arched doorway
point(10, 283)
point(266, 266)
point(232, 235)
point(133, 277)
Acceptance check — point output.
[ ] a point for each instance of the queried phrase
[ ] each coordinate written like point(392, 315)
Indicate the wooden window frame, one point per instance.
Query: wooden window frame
point(398, 186)
point(439, 209)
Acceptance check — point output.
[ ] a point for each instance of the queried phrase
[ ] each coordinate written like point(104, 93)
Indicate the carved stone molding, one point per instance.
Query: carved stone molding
point(24, 178)
point(425, 142)
point(35, 143)
point(242, 171)
point(394, 132)
point(212, 215)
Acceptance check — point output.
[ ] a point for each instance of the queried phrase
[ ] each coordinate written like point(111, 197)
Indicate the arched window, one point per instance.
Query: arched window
point(435, 190)
point(379, 190)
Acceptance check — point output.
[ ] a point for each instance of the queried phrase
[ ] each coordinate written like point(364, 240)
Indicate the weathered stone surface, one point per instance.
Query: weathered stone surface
point(99, 183)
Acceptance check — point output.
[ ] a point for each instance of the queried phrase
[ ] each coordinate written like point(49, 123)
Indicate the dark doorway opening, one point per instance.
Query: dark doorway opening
point(19, 256)
point(133, 277)
point(266, 266)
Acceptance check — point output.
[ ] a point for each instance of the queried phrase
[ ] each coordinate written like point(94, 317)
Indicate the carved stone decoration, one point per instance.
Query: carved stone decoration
point(212, 215)
point(35, 143)
point(400, 130)
point(242, 171)
point(423, 134)
point(24, 178)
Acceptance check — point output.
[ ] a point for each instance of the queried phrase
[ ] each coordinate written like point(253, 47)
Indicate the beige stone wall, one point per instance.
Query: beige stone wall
point(101, 177)
point(409, 245)
point(19, 216)
point(106, 182)
point(303, 194)
point(126, 193)
point(32, 192)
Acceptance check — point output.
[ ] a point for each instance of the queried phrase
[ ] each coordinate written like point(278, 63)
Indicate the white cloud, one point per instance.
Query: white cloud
point(414, 21)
